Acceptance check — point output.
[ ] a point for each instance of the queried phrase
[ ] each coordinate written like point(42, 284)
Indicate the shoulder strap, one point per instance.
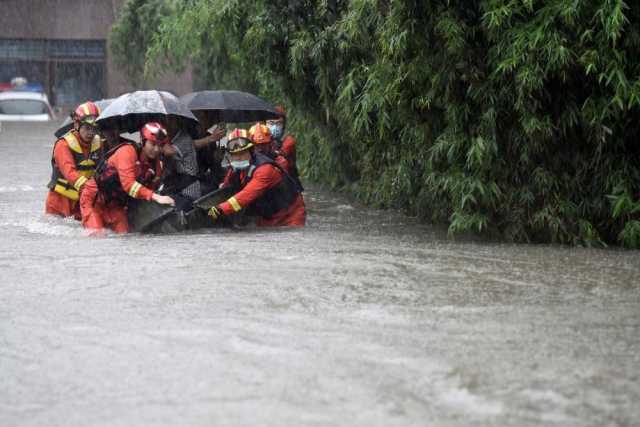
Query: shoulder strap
point(122, 143)
point(111, 152)
point(261, 159)
point(96, 144)
point(72, 142)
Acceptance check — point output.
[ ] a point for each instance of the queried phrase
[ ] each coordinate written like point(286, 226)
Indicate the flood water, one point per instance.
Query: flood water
point(363, 318)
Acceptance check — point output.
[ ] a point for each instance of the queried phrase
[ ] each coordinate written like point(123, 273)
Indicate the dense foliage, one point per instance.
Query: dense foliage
point(517, 118)
point(137, 22)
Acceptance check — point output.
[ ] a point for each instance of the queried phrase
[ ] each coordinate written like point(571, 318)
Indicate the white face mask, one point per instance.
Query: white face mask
point(276, 130)
point(238, 165)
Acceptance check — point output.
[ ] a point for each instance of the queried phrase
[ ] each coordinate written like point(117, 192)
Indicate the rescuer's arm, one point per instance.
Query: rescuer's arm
point(264, 178)
point(64, 160)
point(289, 148)
point(125, 163)
point(282, 162)
point(216, 135)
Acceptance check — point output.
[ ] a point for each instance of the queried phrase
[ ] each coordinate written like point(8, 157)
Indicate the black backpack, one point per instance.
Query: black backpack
point(108, 181)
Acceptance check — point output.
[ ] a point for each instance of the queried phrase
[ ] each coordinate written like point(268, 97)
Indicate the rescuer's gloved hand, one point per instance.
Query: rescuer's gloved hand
point(214, 213)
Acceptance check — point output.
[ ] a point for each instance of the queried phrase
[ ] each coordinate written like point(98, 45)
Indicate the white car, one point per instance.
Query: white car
point(16, 106)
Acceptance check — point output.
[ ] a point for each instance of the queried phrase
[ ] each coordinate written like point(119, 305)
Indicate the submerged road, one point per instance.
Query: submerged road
point(363, 318)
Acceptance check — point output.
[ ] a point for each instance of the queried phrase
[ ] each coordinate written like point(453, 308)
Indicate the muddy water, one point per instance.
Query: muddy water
point(364, 318)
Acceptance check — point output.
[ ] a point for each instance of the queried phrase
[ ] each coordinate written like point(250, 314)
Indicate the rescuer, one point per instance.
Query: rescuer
point(126, 172)
point(263, 186)
point(284, 145)
point(74, 160)
point(263, 143)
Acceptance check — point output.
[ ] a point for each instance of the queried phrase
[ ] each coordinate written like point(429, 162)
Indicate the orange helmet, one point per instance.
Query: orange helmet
point(86, 113)
point(155, 132)
point(238, 141)
point(260, 134)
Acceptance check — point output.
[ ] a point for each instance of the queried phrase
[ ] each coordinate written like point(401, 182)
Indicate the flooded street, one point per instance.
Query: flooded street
point(363, 318)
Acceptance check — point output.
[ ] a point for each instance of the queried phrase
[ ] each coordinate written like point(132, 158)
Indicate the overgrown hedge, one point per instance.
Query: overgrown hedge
point(517, 118)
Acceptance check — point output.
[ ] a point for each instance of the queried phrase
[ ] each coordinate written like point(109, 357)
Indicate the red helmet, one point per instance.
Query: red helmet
point(154, 132)
point(86, 113)
point(260, 134)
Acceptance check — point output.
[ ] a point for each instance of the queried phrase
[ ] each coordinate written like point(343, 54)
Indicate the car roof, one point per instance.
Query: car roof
point(39, 96)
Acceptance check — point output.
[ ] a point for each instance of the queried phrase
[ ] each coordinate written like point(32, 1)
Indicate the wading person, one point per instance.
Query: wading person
point(210, 134)
point(209, 152)
point(181, 173)
point(126, 172)
point(263, 187)
point(74, 160)
point(284, 145)
point(263, 143)
point(112, 138)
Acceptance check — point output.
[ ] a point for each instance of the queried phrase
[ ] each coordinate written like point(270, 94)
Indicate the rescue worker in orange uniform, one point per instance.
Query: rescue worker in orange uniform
point(285, 145)
point(264, 187)
point(263, 143)
point(74, 160)
point(126, 172)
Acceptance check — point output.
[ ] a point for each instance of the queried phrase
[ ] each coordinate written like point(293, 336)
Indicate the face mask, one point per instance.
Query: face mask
point(276, 130)
point(238, 165)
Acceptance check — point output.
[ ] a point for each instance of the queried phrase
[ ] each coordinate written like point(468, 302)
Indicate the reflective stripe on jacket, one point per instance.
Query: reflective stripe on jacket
point(85, 166)
point(277, 197)
point(122, 175)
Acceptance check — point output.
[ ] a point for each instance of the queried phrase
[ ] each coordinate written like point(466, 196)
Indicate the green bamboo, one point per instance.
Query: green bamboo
point(511, 118)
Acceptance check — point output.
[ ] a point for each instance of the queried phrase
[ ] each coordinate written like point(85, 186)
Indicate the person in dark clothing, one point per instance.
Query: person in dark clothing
point(210, 152)
point(180, 177)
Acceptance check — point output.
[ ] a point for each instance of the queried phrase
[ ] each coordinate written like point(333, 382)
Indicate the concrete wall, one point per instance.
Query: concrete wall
point(117, 82)
point(79, 19)
point(56, 19)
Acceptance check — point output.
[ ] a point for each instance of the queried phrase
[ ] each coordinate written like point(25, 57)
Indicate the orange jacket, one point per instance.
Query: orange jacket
point(130, 167)
point(73, 163)
point(264, 178)
point(61, 199)
point(282, 162)
point(289, 147)
point(64, 159)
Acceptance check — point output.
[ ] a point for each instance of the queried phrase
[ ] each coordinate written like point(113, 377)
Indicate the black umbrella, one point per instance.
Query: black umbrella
point(67, 125)
point(132, 110)
point(231, 105)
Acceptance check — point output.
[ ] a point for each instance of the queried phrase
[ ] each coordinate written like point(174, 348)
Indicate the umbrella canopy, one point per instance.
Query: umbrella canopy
point(132, 110)
point(231, 105)
point(67, 125)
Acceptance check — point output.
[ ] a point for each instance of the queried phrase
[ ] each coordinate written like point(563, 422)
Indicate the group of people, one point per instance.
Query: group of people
point(96, 172)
